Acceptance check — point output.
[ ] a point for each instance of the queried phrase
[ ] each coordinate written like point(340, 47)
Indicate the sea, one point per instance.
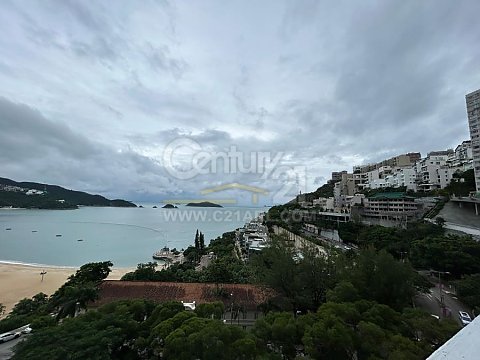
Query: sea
point(125, 236)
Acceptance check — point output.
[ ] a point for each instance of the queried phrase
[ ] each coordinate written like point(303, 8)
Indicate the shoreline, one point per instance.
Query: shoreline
point(36, 265)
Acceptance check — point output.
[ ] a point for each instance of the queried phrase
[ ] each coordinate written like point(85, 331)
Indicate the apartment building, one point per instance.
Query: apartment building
point(464, 151)
point(337, 176)
point(346, 186)
point(374, 176)
point(401, 160)
point(473, 112)
point(433, 171)
point(462, 158)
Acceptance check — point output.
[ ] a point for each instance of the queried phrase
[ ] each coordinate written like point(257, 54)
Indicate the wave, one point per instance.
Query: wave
point(36, 265)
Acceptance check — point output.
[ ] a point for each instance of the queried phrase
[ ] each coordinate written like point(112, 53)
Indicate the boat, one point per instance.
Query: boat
point(165, 254)
point(168, 256)
point(79, 239)
point(8, 229)
point(58, 235)
point(34, 230)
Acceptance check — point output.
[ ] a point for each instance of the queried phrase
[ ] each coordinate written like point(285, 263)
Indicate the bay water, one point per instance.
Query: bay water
point(125, 236)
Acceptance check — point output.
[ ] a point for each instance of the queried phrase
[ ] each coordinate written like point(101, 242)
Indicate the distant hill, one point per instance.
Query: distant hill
point(52, 197)
point(204, 204)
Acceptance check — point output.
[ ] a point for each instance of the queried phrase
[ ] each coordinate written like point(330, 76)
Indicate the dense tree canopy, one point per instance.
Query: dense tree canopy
point(458, 255)
point(468, 289)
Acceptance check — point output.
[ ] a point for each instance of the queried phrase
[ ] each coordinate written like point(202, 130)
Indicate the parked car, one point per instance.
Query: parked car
point(8, 336)
point(27, 330)
point(464, 318)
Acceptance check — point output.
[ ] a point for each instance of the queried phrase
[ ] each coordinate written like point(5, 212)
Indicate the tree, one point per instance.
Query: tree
point(440, 221)
point(144, 272)
point(198, 338)
point(468, 289)
point(280, 330)
point(107, 333)
point(276, 267)
point(197, 241)
point(458, 255)
point(379, 277)
point(330, 338)
point(2, 309)
point(80, 288)
point(213, 310)
point(218, 272)
point(201, 242)
point(314, 276)
point(344, 291)
point(92, 272)
point(29, 306)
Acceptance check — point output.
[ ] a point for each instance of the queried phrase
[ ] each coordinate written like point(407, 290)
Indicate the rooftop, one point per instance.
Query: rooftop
point(391, 196)
point(463, 345)
point(246, 295)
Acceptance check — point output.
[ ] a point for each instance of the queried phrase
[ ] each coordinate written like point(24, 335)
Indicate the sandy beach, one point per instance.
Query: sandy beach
point(18, 281)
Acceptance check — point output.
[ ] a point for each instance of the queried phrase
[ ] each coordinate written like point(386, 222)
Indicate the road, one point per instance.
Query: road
point(6, 348)
point(463, 228)
point(431, 303)
point(324, 240)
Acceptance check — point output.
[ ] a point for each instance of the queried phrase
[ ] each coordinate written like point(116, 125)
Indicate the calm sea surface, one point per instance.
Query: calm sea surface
point(125, 236)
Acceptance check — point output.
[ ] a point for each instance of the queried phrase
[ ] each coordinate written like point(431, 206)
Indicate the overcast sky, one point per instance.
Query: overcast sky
point(93, 92)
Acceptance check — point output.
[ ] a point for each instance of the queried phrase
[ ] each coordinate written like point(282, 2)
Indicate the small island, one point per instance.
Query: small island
point(204, 204)
point(169, 206)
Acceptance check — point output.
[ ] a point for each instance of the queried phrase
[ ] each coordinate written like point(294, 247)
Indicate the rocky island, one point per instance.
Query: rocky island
point(203, 204)
point(169, 206)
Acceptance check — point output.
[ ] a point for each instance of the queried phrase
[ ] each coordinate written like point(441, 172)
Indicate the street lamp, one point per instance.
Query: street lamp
point(231, 310)
point(440, 287)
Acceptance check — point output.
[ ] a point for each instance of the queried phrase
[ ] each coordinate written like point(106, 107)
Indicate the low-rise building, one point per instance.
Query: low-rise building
point(324, 203)
point(34, 192)
point(11, 188)
point(389, 208)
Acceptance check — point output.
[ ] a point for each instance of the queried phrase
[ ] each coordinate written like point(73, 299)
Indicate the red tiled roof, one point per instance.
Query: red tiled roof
point(246, 295)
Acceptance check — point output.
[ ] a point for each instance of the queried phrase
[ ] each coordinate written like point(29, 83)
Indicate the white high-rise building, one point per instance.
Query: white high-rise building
point(473, 112)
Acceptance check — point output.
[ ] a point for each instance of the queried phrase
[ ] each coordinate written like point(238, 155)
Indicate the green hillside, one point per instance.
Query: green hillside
point(52, 195)
point(325, 191)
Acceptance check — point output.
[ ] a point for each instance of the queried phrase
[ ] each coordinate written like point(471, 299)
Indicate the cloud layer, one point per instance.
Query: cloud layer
point(92, 93)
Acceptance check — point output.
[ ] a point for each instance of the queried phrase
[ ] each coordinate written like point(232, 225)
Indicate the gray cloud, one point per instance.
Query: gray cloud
point(92, 94)
point(54, 153)
point(25, 132)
